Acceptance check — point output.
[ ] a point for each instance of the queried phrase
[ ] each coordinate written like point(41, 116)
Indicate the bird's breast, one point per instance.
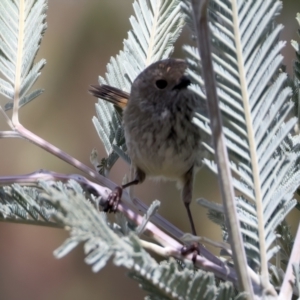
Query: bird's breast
point(164, 145)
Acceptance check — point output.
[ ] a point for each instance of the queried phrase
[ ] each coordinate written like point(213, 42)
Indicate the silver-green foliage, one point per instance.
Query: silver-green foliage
point(22, 27)
point(103, 241)
point(23, 205)
point(56, 204)
point(256, 107)
point(155, 27)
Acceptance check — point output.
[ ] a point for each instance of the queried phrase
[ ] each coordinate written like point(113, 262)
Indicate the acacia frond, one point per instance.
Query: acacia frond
point(23, 205)
point(22, 25)
point(256, 109)
point(103, 241)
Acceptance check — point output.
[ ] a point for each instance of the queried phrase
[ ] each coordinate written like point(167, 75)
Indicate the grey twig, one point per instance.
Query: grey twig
point(171, 246)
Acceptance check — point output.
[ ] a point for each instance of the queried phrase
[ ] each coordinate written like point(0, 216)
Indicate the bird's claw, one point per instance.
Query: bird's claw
point(113, 200)
point(192, 248)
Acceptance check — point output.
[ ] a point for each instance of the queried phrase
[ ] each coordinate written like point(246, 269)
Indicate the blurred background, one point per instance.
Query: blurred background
point(80, 39)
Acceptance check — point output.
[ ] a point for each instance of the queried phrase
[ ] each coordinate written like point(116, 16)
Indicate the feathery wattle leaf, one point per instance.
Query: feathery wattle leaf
point(104, 241)
point(22, 25)
point(23, 205)
point(256, 109)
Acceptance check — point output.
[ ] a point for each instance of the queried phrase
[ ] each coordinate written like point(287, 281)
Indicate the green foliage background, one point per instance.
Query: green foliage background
point(81, 37)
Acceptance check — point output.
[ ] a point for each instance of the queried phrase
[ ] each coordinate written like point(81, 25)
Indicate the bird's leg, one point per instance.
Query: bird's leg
point(133, 182)
point(115, 196)
point(186, 195)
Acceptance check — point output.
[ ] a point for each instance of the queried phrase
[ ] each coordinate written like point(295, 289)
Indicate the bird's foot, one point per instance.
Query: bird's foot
point(192, 248)
point(113, 200)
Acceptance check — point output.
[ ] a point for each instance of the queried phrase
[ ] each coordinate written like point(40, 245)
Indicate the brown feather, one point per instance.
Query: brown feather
point(111, 94)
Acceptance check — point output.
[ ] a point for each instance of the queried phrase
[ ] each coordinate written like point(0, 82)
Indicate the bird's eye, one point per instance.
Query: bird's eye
point(161, 83)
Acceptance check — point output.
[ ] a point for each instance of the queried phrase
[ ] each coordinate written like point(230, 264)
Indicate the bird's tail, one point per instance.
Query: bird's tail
point(111, 94)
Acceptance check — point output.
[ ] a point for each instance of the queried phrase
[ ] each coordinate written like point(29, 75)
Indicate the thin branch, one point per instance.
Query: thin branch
point(224, 174)
point(9, 134)
point(161, 251)
point(32, 179)
point(170, 245)
point(225, 247)
point(30, 136)
point(286, 291)
point(136, 204)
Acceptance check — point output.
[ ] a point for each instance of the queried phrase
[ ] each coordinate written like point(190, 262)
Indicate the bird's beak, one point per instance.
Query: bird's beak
point(183, 83)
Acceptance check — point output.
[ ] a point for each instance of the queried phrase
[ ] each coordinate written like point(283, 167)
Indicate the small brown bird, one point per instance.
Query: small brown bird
point(161, 139)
